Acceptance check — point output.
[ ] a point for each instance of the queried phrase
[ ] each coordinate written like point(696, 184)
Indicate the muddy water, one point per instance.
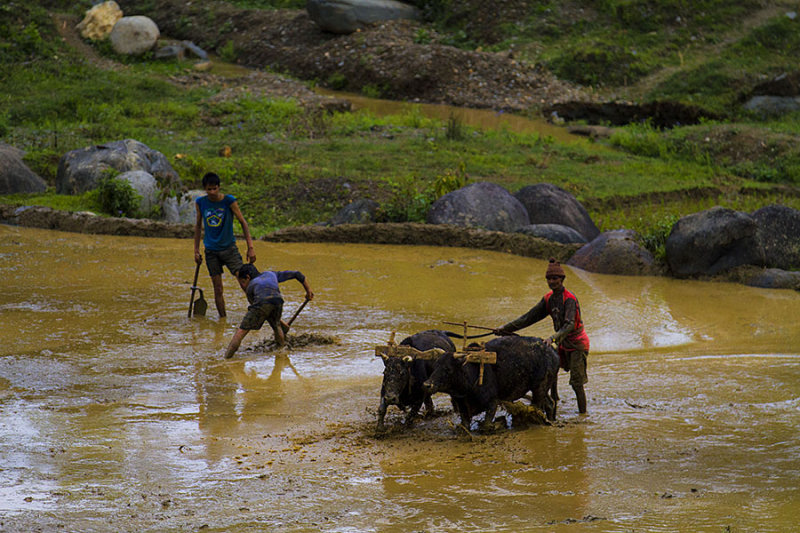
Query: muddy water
point(118, 413)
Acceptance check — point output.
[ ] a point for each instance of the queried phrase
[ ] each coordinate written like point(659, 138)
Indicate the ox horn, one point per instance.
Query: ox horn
point(407, 359)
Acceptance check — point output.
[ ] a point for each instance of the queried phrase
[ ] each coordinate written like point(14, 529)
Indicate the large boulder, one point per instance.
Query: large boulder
point(548, 204)
point(99, 21)
point(553, 232)
point(713, 241)
point(775, 278)
point(15, 176)
point(181, 209)
point(480, 205)
point(361, 211)
point(348, 16)
point(146, 187)
point(770, 106)
point(615, 252)
point(134, 35)
point(779, 234)
point(81, 170)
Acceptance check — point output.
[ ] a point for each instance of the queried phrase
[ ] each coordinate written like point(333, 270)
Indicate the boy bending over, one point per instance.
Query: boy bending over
point(266, 302)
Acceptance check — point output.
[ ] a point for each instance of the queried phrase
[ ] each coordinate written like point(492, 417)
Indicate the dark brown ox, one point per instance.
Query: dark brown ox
point(403, 377)
point(524, 364)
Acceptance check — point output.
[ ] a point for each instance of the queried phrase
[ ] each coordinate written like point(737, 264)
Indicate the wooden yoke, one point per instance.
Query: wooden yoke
point(478, 355)
point(392, 349)
point(475, 354)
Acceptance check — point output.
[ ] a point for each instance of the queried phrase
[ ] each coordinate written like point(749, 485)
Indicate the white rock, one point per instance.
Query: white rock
point(134, 35)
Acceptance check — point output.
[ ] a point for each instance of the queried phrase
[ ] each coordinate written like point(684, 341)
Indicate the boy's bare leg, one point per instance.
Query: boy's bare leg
point(235, 342)
point(280, 336)
point(216, 282)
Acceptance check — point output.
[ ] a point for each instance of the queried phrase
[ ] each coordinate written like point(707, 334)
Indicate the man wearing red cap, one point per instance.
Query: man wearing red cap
point(572, 341)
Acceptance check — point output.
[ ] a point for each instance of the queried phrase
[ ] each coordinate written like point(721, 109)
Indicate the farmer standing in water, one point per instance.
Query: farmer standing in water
point(572, 341)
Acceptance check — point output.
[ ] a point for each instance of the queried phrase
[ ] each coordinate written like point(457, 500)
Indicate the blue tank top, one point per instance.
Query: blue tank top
point(217, 222)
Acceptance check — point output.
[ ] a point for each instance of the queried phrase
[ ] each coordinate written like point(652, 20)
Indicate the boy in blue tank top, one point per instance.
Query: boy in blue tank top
point(215, 214)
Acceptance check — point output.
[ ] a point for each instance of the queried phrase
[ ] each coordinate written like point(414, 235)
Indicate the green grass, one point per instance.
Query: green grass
point(293, 166)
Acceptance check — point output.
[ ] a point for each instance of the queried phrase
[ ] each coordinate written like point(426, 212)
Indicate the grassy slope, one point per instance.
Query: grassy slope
point(292, 167)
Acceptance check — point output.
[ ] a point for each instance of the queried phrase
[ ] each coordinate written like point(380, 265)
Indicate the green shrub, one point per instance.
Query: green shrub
point(410, 200)
point(455, 130)
point(227, 52)
point(337, 81)
point(117, 197)
point(655, 239)
point(450, 181)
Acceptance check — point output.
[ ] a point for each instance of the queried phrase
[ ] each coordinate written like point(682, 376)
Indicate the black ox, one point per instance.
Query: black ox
point(524, 364)
point(403, 377)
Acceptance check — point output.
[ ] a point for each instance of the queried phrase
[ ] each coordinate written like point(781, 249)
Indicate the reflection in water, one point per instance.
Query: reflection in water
point(118, 412)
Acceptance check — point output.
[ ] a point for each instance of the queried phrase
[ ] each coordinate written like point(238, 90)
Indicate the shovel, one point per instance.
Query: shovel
point(198, 306)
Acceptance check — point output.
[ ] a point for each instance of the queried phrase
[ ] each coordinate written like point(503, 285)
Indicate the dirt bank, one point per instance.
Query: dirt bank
point(401, 60)
point(401, 233)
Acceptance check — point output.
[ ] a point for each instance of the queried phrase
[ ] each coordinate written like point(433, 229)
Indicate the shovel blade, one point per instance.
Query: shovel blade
point(200, 305)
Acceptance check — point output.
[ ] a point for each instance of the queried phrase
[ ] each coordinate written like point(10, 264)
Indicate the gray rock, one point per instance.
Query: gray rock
point(775, 278)
point(713, 241)
point(348, 16)
point(361, 211)
point(181, 209)
point(615, 252)
point(15, 176)
point(81, 170)
point(170, 51)
point(773, 105)
point(548, 204)
point(145, 186)
point(134, 35)
point(779, 234)
point(553, 232)
point(480, 205)
point(196, 50)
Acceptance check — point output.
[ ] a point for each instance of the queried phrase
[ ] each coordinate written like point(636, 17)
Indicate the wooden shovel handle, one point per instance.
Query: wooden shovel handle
point(302, 305)
point(194, 287)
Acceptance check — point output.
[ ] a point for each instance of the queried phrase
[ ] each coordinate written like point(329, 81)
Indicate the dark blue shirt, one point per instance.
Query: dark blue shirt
point(265, 286)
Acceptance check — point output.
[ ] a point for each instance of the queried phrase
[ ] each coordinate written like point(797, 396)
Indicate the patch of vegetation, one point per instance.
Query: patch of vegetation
point(227, 52)
point(117, 197)
point(88, 201)
point(598, 64)
point(26, 33)
point(747, 151)
point(291, 165)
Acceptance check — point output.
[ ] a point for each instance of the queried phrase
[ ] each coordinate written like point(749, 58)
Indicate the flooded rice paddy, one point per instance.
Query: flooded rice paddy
point(118, 413)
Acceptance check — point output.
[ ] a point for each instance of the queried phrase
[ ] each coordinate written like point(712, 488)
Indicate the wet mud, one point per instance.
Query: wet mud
point(120, 413)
